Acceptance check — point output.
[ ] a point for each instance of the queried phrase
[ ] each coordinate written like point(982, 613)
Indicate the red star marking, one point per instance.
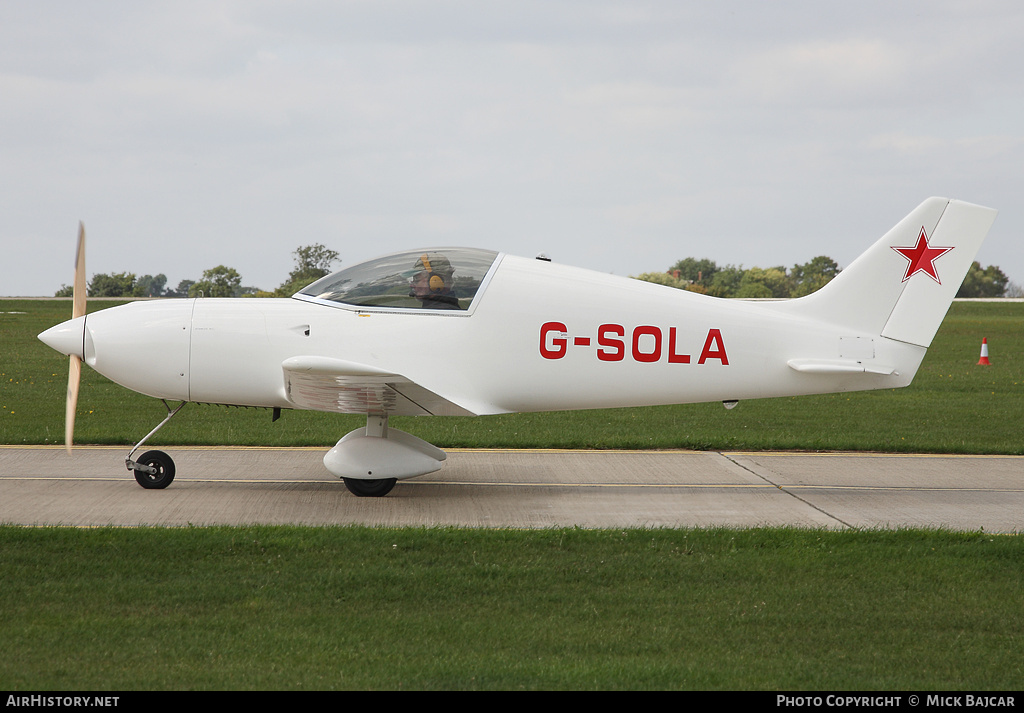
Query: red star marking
point(922, 257)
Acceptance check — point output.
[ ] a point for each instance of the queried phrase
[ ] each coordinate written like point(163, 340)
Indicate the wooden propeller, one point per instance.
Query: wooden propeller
point(77, 310)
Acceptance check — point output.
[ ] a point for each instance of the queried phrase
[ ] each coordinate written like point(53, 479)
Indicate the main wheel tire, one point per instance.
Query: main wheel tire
point(370, 488)
point(164, 470)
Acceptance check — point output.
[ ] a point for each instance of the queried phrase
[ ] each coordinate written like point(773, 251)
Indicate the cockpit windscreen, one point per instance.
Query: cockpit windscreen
point(435, 279)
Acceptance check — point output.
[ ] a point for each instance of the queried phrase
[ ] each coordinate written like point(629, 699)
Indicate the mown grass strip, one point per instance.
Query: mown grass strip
point(356, 608)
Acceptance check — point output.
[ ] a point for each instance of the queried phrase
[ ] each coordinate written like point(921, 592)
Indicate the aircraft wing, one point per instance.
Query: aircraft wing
point(326, 384)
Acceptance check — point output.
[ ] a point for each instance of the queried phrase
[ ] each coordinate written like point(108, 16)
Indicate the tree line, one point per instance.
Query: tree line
point(704, 276)
point(311, 263)
point(696, 275)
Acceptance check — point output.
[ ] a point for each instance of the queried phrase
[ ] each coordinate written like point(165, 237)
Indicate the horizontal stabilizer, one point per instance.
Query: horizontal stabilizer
point(838, 366)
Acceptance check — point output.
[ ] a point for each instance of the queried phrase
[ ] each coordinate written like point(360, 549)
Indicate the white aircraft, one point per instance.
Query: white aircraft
point(458, 331)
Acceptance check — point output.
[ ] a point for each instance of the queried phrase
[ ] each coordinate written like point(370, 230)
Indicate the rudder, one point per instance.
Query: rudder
point(902, 286)
point(935, 269)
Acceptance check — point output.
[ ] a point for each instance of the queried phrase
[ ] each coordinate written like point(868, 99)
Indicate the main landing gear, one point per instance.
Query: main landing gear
point(370, 488)
point(154, 470)
point(371, 460)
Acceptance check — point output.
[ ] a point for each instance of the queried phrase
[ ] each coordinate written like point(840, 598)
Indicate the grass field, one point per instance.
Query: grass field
point(360, 608)
point(953, 405)
point(277, 608)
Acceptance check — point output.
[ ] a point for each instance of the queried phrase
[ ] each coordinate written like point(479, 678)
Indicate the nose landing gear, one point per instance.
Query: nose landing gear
point(154, 470)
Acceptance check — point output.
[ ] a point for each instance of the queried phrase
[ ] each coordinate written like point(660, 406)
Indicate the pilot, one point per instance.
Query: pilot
point(432, 282)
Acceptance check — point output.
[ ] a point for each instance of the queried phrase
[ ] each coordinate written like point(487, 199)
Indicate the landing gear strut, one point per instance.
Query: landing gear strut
point(154, 470)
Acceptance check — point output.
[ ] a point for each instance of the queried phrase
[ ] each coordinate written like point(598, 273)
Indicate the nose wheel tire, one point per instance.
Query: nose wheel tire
point(370, 488)
point(163, 465)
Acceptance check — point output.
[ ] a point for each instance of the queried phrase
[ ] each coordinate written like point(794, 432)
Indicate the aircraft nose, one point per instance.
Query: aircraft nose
point(67, 337)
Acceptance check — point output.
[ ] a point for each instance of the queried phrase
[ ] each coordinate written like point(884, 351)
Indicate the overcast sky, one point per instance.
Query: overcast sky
point(619, 136)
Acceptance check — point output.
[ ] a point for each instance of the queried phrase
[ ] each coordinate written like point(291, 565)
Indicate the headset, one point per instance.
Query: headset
point(435, 281)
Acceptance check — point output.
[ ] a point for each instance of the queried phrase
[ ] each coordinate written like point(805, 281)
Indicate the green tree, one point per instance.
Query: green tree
point(311, 263)
point(150, 286)
point(990, 282)
point(812, 276)
point(181, 290)
point(218, 281)
point(118, 284)
point(698, 272)
point(726, 282)
point(662, 278)
point(757, 282)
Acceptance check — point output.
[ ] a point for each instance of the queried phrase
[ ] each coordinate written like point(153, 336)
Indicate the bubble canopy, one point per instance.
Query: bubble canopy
point(447, 279)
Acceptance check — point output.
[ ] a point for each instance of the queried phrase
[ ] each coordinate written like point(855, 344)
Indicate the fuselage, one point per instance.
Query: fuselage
point(540, 336)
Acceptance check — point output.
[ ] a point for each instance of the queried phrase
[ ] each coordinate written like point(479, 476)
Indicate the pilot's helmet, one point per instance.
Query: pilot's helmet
point(438, 268)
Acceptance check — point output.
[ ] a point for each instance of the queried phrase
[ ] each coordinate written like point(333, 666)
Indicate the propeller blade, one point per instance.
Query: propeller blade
point(78, 304)
point(77, 310)
point(74, 377)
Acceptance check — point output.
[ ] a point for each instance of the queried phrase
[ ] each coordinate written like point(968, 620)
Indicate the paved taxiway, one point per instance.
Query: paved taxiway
point(524, 489)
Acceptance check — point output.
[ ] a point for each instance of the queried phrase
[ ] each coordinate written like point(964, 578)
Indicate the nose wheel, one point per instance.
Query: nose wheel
point(154, 470)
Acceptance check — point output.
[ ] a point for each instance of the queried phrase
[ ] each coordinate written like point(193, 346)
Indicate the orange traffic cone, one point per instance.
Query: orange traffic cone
point(984, 353)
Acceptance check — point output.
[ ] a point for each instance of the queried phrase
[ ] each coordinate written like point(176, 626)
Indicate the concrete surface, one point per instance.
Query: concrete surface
point(524, 489)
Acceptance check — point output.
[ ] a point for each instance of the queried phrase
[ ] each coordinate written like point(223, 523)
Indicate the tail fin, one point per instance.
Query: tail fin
point(903, 285)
